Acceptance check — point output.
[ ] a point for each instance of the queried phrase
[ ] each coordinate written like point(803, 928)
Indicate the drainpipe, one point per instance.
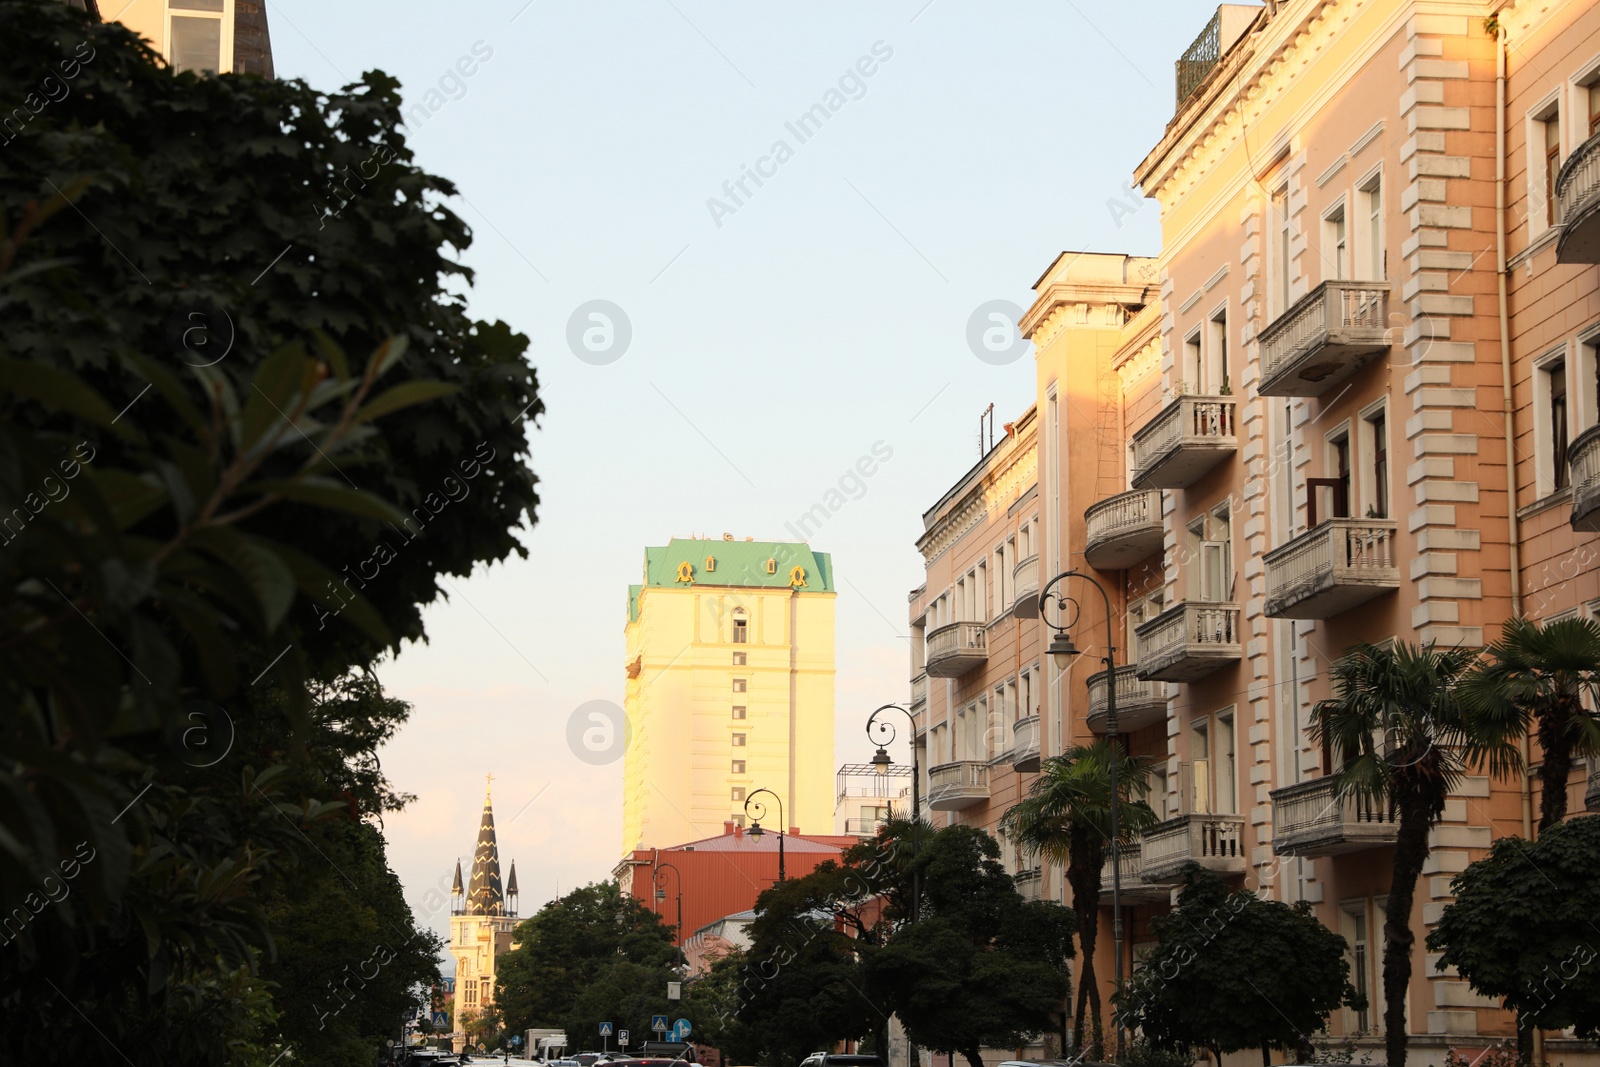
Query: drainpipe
point(1513, 527)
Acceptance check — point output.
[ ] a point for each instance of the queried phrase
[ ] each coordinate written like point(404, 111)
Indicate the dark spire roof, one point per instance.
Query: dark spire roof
point(511, 881)
point(456, 888)
point(484, 896)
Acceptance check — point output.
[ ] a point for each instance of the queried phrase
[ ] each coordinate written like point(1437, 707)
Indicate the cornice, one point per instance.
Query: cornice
point(1090, 305)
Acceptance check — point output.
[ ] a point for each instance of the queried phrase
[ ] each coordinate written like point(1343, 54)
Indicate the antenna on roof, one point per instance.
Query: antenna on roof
point(986, 418)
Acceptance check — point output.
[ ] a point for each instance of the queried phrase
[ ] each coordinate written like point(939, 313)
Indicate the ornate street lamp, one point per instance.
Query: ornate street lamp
point(660, 879)
point(881, 733)
point(1062, 650)
point(761, 813)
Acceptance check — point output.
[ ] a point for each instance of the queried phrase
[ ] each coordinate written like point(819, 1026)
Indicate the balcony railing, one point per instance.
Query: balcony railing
point(1200, 58)
point(1188, 641)
point(863, 827)
point(1134, 888)
point(1025, 577)
point(919, 690)
point(1123, 529)
point(1332, 568)
point(1140, 703)
point(1583, 457)
point(1591, 792)
point(1025, 744)
point(955, 649)
point(1215, 842)
point(1324, 338)
point(953, 786)
point(1578, 205)
point(1311, 819)
point(1030, 883)
point(1186, 439)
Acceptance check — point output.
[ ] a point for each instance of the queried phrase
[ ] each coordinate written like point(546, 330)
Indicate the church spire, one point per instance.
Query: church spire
point(484, 895)
point(511, 890)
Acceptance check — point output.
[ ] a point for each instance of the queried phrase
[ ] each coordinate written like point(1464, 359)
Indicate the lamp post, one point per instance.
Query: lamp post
point(1062, 650)
point(885, 734)
point(660, 879)
point(760, 813)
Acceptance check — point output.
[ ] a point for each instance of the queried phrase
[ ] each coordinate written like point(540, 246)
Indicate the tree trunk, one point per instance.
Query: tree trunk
point(973, 1057)
point(1266, 1056)
point(1524, 1039)
point(1557, 764)
point(1410, 853)
point(1084, 865)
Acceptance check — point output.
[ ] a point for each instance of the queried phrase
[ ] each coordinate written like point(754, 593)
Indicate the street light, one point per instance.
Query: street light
point(760, 813)
point(881, 762)
point(1062, 650)
point(659, 878)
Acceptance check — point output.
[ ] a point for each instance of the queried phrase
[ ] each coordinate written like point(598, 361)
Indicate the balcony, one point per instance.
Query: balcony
point(1030, 883)
point(954, 786)
point(1025, 577)
point(1212, 841)
point(1324, 338)
point(1309, 819)
point(1140, 703)
point(955, 649)
point(1186, 439)
point(1578, 205)
point(1583, 458)
point(1123, 529)
point(919, 690)
point(863, 827)
point(1332, 568)
point(1591, 792)
point(1134, 888)
point(1188, 641)
point(1025, 744)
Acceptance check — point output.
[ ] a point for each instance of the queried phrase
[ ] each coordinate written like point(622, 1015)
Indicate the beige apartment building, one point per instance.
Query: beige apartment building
point(1322, 415)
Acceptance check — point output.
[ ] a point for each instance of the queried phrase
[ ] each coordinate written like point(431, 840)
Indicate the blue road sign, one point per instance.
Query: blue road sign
point(441, 1021)
point(680, 1030)
point(658, 1023)
point(516, 1040)
point(605, 1030)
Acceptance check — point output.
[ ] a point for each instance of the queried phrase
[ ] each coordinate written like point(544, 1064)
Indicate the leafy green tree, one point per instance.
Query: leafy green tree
point(1231, 971)
point(980, 967)
point(712, 1001)
point(1533, 680)
point(207, 508)
point(576, 944)
point(1397, 728)
point(1066, 818)
point(1521, 928)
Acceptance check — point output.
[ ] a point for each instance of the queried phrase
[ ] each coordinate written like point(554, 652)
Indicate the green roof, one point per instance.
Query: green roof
point(738, 564)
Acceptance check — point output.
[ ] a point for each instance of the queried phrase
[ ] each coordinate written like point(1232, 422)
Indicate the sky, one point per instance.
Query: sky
point(753, 343)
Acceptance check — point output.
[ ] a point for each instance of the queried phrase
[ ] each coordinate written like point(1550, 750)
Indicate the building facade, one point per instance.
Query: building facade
point(865, 797)
point(207, 36)
point(1355, 397)
point(729, 689)
point(483, 914)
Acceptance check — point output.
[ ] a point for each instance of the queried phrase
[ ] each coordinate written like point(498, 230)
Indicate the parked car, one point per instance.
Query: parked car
point(840, 1059)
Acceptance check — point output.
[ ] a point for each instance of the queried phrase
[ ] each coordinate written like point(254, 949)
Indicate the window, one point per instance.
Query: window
point(1199, 791)
point(1584, 411)
point(738, 711)
point(1353, 925)
point(738, 793)
point(1211, 546)
point(1378, 449)
point(1329, 496)
point(201, 37)
point(1559, 429)
point(739, 685)
point(1141, 610)
point(1217, 354)
point(1224, 764)
point(738, 740)
point(1551, 422)
point(737, 767)
point(1544, 164)
point(741, 630)
point(1374, 258)
point(1335, 243)
point(1191, 364)
point(1552, 163)
point(737, 818)
point(1278, 252)
point(1591, 95)
point(739, 659)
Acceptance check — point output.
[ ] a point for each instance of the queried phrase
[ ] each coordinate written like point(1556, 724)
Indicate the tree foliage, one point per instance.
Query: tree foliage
point(1521, 927)
point(245, 425)
point(595, 955)
point(1231, 971)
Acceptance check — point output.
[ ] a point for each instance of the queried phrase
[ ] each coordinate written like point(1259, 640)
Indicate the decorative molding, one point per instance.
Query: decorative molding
point(1366, 139)
point(1216, 279)
point(1333, 171)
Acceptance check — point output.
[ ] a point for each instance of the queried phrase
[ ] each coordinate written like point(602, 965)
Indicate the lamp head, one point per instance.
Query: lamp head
point(881, 761)
point(755, 829)
point(661, 894)
point(1062, 650)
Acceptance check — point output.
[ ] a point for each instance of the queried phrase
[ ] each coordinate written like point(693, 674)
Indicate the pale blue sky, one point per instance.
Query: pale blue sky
point(828, 312)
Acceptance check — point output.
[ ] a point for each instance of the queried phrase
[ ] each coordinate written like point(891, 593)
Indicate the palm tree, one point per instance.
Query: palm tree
point(1066, 818)
point(1396, 726)
point(1533, 680)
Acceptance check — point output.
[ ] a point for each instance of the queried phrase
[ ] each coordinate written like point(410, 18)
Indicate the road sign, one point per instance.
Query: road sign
point(441, 1021)
point(680, 1030)
point(516, 1040)
point(658, 1023)
point(606, 1030)
point(622, 1038)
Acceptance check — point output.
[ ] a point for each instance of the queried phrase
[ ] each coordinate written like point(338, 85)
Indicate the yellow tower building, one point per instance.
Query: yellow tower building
point(729, 690)
point(482, 917)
